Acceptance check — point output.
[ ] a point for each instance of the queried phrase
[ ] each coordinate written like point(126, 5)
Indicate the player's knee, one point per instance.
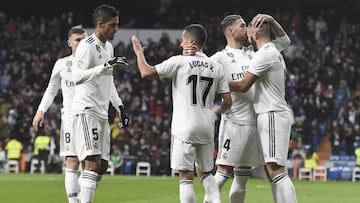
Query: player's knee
point(93, 163)
point(225, 169)
point(273, 169)
point(72, 163)
point(186, 175)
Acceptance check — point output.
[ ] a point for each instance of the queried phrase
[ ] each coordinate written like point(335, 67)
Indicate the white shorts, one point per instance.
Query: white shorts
point(239, 145)
point(67, 139)
point(184, 155)
point(274, 130)
point(92, 136)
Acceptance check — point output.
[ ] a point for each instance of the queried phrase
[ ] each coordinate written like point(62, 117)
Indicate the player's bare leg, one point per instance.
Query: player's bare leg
point(103, 168)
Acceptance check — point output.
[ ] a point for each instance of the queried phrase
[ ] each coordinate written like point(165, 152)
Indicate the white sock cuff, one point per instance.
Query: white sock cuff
point(226, 176)
point(279, 178)
point(242, 172)
point(185, 182)
point(68, 170)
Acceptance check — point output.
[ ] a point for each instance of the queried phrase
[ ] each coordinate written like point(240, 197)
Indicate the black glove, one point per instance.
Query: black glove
point(124, 118)
point(116, 61)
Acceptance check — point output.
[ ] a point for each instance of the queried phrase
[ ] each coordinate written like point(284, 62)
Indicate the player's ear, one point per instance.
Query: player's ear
point(68, 42)
point(99, 24)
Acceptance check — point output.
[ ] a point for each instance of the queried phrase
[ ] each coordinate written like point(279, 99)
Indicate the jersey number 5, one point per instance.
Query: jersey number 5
point(193, 79)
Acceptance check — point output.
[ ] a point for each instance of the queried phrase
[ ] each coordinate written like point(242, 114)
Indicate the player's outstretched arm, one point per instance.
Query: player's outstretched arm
point(146, 71)
point(117, 61)
point(276, 28)
point(282, 38)
point(244, 84)
point(81, 75)
point(38, 120)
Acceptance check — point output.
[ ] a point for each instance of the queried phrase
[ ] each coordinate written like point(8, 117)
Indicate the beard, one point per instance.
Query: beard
point(242, 40)
point(253, 43)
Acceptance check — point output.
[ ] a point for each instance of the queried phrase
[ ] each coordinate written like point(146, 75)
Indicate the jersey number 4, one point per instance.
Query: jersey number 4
point(193, 79)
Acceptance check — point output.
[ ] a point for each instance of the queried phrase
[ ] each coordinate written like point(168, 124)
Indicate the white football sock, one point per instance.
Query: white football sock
point(238, 186)
point(87, 186)
point(71, 184)
point(211, 188)
point(284, 188)
point(186, 191)
point(220, 179)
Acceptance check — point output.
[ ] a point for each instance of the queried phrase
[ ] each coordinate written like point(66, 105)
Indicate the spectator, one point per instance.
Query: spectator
point(357, 153)
point(117, 159)
point(42, 148)
point(14, 149)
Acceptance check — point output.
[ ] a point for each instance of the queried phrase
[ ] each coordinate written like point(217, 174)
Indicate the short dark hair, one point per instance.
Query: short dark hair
point(104, 13)
point(198, 32)
point(78, 29)
point(228, 21)
point(264, 29)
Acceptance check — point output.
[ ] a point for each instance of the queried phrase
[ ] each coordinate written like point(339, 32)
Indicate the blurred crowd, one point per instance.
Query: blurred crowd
point(322, 86)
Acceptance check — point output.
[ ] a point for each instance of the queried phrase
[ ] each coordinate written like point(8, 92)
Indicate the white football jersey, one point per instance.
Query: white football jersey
point(94, 91)
point(269, 65)
point(195, 82)
point(61, 77)
point(236, 62)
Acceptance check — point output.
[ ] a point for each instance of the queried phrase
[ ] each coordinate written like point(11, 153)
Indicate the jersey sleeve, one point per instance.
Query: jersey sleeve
point(168, 68)
point(260, 63)
point(82, 72)
point(282, 43)
point(223, 86)
point(52, 88)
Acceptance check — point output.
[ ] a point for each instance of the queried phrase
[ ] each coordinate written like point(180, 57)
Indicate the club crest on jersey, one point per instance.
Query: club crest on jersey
point(68, 64)
point(80, 64)
point(225, 155)
point(98, 49)
point(231, 55)
point(250, 56)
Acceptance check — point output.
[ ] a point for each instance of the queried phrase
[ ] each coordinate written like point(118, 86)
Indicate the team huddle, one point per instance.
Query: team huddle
point(255, 120)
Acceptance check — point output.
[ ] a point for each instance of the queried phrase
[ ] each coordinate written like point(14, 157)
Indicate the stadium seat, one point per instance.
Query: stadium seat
point(356, 174)
point(143, 168)
point(305, 174)
point(34, 166)
point(111, 168)
point(12, 166)
point(334, 158)
point(334, 173)
point(320, 173)
point(346, 173)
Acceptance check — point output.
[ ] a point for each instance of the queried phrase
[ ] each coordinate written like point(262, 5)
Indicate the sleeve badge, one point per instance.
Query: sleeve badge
point(80, 64)
point(68, 64)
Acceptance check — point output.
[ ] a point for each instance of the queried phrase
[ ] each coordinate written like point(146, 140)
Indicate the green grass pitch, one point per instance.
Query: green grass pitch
point(44, 188)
